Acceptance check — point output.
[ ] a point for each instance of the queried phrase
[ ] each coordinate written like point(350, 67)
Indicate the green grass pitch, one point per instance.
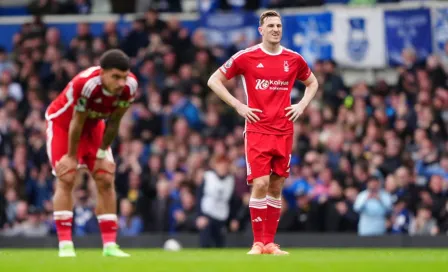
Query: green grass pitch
point(233, 260)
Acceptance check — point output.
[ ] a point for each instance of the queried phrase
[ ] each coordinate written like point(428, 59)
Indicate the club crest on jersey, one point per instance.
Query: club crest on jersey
point(286, 66)
point(229, 63)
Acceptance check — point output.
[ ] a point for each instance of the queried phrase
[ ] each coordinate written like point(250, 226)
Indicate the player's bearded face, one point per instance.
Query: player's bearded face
point(114, 80)
point(272, 29)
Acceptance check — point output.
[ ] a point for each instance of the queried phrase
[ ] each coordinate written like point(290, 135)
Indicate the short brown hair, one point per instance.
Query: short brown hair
point(268, 13)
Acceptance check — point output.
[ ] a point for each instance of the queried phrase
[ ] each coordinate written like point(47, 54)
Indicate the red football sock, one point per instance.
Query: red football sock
point(272, 218)
point(63, 221)
point(108, 228)
point(258, 217)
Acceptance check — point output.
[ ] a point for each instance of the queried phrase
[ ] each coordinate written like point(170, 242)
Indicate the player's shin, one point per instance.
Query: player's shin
point(258, 208)
point(109, 226)
point(106, 215)
point(104, 174)
point(274, 206)
point(63, 215)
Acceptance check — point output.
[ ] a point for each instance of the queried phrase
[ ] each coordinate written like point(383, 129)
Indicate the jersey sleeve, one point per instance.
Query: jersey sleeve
point(128, 95)
point(303, 70)
point(232, 67)
point(81, 94)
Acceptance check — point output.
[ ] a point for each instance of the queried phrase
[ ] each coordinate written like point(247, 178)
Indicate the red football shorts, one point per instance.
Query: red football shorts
point(266, 154)
point(89, 143)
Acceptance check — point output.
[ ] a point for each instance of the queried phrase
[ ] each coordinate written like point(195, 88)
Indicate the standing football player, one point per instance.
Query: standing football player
point(268, 72)
point(78, 136)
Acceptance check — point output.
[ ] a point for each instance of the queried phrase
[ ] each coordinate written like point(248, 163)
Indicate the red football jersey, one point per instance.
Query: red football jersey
point(85, 93)
point(268, 79)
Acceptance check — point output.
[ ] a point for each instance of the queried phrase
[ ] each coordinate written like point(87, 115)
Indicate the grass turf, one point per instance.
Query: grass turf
point(233, 260)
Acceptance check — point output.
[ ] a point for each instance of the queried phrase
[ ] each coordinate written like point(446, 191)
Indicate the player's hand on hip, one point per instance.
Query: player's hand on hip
point(248, 113)
point(65, 165)
point(294, 111)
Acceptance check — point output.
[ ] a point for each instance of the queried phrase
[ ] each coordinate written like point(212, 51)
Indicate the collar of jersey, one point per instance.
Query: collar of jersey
point(107, 93)
point(269, 53)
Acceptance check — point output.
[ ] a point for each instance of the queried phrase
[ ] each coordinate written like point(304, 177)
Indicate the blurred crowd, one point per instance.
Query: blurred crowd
point(133, 6)
point(366, 159)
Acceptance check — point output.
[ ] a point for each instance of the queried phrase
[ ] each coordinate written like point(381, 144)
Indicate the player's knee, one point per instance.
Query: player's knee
point(67, 181)
point(276, 184)
point(104, 175)
point(275, 191)
point(260, 185)
point(104, 180)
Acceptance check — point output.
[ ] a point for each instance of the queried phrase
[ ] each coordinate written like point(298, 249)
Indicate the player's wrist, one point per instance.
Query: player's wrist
point(101, 154)
point(71, 156)
point(236, 104)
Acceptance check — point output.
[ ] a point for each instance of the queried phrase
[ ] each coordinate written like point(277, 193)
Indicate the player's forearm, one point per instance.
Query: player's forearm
point(110, 133)
point(74, 135)
point(310, 92)
point(221, 91)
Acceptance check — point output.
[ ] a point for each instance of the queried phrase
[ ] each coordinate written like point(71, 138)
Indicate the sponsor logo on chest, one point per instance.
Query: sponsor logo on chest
point(273, 85)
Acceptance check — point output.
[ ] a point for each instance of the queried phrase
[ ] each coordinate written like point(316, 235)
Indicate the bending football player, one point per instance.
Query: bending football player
point(79, 136)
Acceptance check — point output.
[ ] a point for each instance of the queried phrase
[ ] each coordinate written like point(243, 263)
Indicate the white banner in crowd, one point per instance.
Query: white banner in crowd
point(358, 37)
point(440, 17)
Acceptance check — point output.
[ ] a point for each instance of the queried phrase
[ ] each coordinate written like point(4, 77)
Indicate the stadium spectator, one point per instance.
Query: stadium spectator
point(333, 88)
point(346, 209)
point(17, 214)
point(185, 215)
point(400, 218)
point(153, 23)
point(424, 223)
point(129, 223)
point(41, 7)
point(9, 88)
point(159, 218)
point(5, 64)
point(78, 7)
point(216, 198)
point(32, 226)
point(373, 205)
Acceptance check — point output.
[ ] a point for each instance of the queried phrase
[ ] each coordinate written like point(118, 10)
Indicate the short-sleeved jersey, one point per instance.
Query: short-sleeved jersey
point(267, 80)
point(85, 93)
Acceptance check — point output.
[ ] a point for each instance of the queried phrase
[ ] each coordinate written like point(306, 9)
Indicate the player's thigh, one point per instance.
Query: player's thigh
point(258, 156)
point(90, 144)
point(57, 142)
point(281, 161)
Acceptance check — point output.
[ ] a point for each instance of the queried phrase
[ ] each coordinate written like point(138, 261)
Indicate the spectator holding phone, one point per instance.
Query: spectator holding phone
point(373, 206)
